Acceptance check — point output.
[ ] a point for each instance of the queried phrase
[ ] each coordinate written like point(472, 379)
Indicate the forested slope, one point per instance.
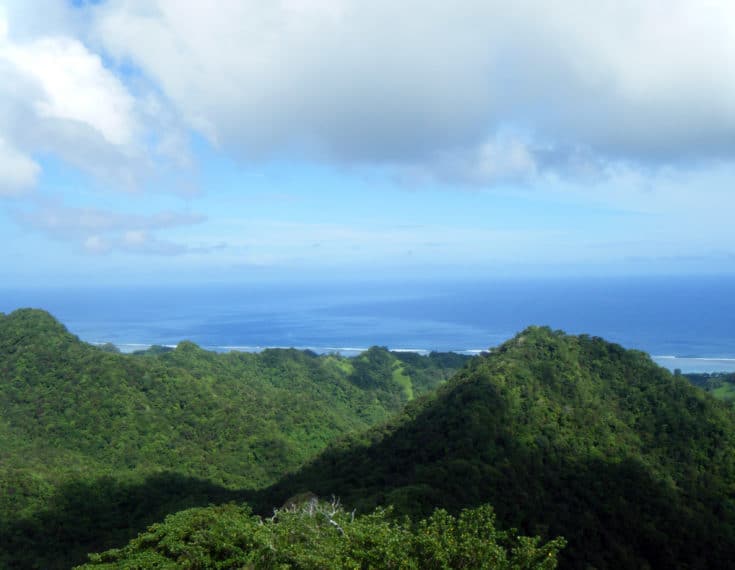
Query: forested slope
point(94, 444)
point(563, 435)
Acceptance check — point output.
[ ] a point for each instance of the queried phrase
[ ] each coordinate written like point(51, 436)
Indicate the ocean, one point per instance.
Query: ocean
point(685, 323)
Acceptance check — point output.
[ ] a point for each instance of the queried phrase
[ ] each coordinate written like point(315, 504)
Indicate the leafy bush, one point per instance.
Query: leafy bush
point(317, 535)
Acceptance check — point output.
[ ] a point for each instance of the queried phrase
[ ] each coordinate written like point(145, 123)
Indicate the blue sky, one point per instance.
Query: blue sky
point(161, 141)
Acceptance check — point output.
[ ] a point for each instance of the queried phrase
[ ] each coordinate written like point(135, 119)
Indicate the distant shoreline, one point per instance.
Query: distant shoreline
point(695, 364)
point(687, 364)
point(127, 348)
point(684, 318)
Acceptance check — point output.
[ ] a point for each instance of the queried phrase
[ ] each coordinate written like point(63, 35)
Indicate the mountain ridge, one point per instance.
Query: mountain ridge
point(76, 418)
point(563, 435)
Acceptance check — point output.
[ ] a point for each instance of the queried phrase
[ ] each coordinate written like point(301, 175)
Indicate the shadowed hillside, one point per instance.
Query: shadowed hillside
point(563, 435)
point(81, 426)
point(83, 515)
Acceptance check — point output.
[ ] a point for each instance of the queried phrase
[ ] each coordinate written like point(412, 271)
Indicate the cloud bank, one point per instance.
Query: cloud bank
point(99, 231)
point(471, 91)
point(59, 98)
point(476, 92)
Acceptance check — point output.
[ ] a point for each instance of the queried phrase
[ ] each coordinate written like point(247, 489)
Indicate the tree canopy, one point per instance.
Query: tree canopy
point(563, 435)
point(84, 427)
point(315, 535)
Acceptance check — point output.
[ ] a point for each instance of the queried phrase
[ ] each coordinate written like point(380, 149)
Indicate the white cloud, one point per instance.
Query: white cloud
point(420, 81)
point(96, 244)
point(134, 238)
point(101, 231)
point(74, 86)
point(57, 219)
point(39, 18)
point(429, 88)
point(18, 172)
point(57, 97)
point(496, 160)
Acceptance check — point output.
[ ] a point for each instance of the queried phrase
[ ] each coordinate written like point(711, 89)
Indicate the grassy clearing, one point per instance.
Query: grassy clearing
point(403, 380)
point(725, 392)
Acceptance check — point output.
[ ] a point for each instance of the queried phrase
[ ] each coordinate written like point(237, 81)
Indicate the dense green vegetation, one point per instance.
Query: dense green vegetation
point(564, 436)
point(94, 445)
point(315, 535)
point(720, 384)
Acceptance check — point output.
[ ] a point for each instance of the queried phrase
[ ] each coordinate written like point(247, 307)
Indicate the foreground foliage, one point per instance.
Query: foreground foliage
point(317, 535)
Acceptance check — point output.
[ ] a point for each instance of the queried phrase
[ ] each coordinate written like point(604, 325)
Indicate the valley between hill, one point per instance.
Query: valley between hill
point(551, 434)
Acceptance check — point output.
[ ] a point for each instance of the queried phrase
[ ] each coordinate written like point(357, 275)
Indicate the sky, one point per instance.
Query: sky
point(171, 141)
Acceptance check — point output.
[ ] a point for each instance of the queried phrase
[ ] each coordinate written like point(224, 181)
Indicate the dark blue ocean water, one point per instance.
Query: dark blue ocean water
point(691, 319)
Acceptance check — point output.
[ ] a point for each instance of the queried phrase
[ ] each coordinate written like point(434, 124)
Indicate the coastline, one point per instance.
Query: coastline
point(687, 364)
point(131, 347)
point(695, 364)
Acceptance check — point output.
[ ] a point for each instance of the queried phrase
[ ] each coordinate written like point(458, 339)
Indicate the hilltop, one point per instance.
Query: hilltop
point(99, 444)
point(563, 435)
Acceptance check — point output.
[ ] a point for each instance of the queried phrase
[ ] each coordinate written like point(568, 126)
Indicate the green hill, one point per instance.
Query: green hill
point(95, 444)
point(563, 435)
